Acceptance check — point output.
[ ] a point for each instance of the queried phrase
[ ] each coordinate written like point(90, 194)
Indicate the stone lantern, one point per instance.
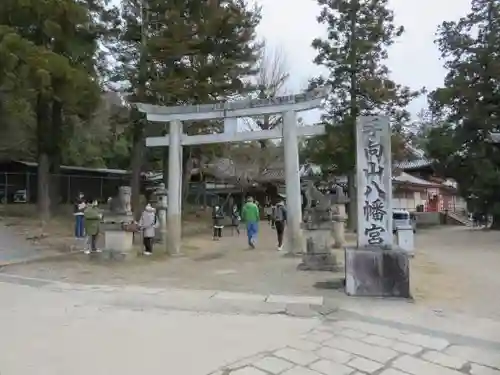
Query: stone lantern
point(339, 217)
point(162, 205)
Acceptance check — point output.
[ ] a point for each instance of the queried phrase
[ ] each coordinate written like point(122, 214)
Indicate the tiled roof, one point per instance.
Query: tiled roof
point(413, 164)
point(83, 169)
point(226, 169)
point(408, 178)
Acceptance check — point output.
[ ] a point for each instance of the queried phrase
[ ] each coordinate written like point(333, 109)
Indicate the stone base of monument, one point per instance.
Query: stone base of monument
point(118, 245)
point(318, 256)
point(374, 272)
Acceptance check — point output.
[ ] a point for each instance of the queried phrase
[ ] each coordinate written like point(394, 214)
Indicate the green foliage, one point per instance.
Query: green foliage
point(469, 103)
point(359, 33)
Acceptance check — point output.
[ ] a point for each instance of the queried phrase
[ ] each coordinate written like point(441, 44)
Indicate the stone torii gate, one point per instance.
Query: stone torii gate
point(288, 106)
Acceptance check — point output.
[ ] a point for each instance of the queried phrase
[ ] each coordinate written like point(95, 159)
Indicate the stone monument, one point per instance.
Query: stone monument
point(317, 227)
point(375, 267)
point(119, 226)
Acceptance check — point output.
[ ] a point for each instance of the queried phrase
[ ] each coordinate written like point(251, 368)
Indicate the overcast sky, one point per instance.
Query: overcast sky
point(413, 59)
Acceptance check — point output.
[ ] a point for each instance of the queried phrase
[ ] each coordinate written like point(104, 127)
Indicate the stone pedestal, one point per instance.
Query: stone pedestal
point(118, 245)
point(405, 239)
point(375, 272)
point(317, 255)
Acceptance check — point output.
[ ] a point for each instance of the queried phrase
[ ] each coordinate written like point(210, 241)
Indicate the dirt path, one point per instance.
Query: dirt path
point(454, 269)
point(459, 268)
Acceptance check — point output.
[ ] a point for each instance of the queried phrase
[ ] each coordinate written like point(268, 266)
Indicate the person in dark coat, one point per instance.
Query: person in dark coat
point(217, 219)
point(92, 217)
point(236, 219)
point(280, 216)
point(78, 211)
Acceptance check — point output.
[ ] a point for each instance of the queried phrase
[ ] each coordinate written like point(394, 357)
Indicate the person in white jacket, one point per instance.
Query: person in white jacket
point(147, 224)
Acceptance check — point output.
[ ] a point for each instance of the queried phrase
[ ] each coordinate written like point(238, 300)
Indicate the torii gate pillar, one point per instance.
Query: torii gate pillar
point(292, 183)
point(174, 212)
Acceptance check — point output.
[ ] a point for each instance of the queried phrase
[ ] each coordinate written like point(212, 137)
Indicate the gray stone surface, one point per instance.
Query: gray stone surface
point(373, 352)
point(483, 370)
point(375, 272)
point(328, 367)
point(365, 365)
point(248, 371)
point(297, 356)
point(406, 348)
point(301, 371)
point(444, 360)
point(417, 366)
point(476, 355)
point(273, 365)
point(336, 355)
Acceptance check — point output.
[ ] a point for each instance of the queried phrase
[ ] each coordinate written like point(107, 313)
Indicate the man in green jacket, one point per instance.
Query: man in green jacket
point(92, 217)
point(251, 216)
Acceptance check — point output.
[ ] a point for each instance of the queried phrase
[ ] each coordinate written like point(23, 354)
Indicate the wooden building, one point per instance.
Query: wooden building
point(18, 176)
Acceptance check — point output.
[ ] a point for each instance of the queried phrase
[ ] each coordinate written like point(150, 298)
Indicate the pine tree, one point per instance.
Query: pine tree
point(183, 52)
point(469, 103)
point(67, 31)
point(359, 33)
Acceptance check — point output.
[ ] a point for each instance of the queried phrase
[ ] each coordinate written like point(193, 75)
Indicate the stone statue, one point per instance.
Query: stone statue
point(120, 205)
point(317, 231)
point(318, 208)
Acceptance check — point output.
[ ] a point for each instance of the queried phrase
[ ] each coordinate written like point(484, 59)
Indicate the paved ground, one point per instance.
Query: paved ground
point(61, 328)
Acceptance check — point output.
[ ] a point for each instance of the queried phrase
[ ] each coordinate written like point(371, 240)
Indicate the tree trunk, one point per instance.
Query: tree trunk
point(43, 198)
point(495, 225)
point(136, 167)
point(55, 154)
point(354, 112)
point(43, 145)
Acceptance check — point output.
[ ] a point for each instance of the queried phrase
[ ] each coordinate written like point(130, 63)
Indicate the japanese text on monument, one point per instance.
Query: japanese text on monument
point(376, 207)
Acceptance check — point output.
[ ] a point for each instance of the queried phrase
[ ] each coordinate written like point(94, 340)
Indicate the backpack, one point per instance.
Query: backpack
point(280, 213)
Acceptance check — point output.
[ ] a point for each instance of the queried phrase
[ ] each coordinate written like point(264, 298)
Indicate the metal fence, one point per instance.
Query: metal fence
point(23, 187)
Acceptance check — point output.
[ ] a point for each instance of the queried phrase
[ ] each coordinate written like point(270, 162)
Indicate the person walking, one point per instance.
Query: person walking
point(268, 211)
point(250, 215)
point(273, 209)
point(78, 213)
point(279, 222)
point(148, 224)
point(217, 218)
point(92, 220)
point(235, 219)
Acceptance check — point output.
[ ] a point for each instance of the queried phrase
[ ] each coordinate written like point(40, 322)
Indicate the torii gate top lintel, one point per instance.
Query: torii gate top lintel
point(238, 108)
